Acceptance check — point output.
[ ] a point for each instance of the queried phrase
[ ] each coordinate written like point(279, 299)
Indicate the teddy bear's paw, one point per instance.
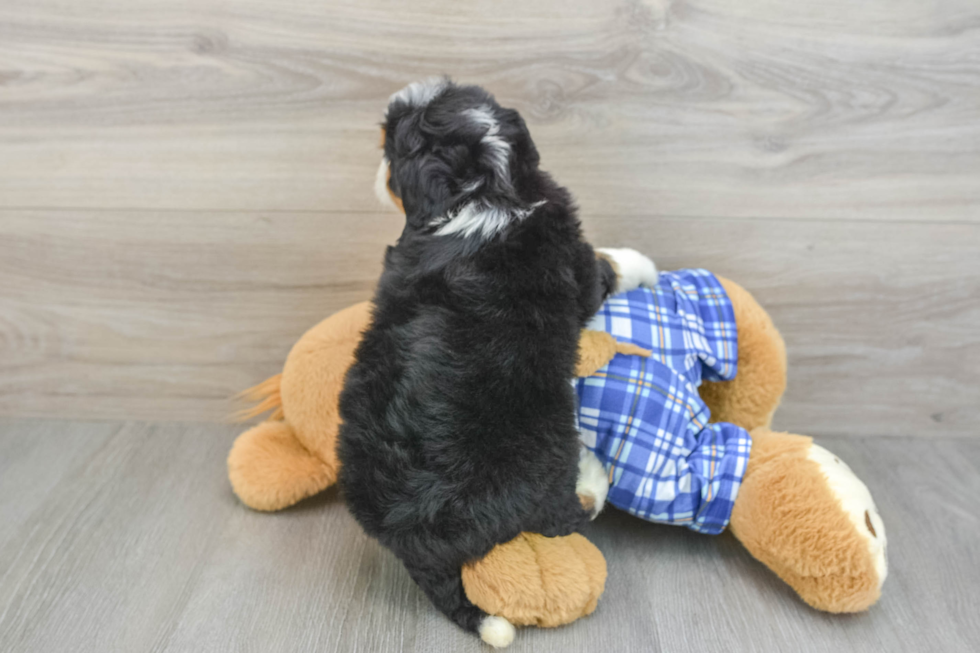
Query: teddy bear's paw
point(632, 268)
point(497, 631)
point(855, 499)
point(536, 581)
point(592, 486)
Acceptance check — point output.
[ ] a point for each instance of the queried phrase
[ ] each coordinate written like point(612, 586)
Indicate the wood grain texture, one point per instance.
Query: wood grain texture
point(156, 315)
point(185, 185)
point(167, 315)
point(126, 537)
point(709, 108)
point(880, 321)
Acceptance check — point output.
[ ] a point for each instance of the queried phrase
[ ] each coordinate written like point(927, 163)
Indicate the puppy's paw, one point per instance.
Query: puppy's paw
point(592, 485)
point(632, 268)
point(497, 631)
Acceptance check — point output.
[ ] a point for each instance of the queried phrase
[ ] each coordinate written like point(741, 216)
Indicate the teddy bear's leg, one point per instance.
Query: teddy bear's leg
point(803, 513)
point(750, 399)
point(313, 378)
point(269, 469)
point(538, 581)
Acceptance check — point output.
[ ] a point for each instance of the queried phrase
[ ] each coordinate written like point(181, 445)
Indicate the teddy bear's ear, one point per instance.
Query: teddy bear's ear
point(538, 581)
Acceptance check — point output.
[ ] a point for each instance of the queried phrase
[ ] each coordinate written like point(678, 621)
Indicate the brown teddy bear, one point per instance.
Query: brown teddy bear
point(797, 507)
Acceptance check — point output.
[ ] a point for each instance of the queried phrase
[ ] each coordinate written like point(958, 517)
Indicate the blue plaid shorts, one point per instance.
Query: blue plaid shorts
point(643, 417)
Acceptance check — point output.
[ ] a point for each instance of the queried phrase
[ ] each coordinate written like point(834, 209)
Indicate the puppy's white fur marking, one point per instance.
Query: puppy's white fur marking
point(474, 217)
point(419, 94)
point(381, 185)
point(479, 218)
point(632, 268)
point(592, 481)
point(472, 186)
point(497, 148)
point(497, 631)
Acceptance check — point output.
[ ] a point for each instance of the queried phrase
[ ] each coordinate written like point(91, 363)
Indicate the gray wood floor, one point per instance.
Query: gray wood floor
point(126, 537)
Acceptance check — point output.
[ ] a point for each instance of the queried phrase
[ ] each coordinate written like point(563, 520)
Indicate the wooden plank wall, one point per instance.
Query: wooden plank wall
point(185, 185)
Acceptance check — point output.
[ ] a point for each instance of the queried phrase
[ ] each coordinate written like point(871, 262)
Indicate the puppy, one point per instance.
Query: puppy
point(458, 413)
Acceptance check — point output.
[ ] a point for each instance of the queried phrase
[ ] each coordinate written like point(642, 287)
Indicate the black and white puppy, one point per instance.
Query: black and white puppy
point(458, 414)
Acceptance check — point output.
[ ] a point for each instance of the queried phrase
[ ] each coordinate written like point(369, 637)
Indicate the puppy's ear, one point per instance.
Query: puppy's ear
point(524, 159)
point(459, 147)
point(425, 184)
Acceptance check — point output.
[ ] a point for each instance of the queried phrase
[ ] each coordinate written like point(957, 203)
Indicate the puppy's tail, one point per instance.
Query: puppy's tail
point(265, 396)
point(444, 587)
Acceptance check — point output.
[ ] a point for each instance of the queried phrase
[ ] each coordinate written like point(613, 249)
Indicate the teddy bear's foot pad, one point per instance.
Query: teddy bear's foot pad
point(855, 498)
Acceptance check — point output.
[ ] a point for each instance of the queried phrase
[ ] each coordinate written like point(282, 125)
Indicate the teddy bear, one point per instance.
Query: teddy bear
point(677, 384)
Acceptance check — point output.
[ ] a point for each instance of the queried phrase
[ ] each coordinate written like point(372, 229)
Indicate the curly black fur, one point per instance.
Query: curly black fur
point(458, 414)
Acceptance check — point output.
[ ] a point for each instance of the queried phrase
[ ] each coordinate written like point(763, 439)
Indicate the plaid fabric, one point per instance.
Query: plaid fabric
point(643, 417)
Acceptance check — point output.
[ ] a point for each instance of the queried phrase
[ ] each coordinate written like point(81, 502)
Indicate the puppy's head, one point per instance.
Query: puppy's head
point(455, 161)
